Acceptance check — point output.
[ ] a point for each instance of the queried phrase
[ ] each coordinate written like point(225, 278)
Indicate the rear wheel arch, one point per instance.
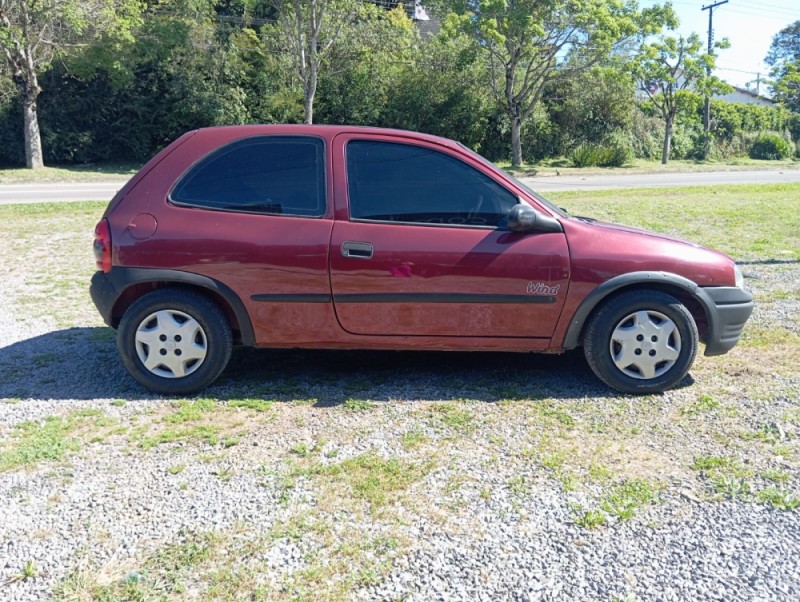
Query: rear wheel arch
point(136, 282)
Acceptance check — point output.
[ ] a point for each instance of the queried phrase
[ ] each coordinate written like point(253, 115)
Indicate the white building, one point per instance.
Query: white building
point(745, 96)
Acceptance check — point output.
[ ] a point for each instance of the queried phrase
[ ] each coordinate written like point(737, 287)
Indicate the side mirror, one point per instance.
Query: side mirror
point(524, 218)
point(521, 218)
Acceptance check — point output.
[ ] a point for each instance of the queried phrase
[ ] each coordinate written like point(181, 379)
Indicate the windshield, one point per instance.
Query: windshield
point(538, 196)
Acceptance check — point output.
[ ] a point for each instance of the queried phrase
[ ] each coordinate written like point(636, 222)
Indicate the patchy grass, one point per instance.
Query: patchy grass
point(357, 405)
point(414, 438)
point(202, 420)
point(52, 439)
point(375, 479)
point(176, 469)
point(627, 498)
point(56, 241)
point(257, 405)
point(705, 403)
point(205, 433)
point(778, 498)
point(590, 519)
point(348, 504)
point(451, 417)
point(165, 573)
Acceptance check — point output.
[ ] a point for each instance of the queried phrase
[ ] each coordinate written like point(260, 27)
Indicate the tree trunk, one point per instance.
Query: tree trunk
point(516, 142)
point(309, 92)
point(33, 140)
point(308, 107)
point(667, 141)
point(308, 103)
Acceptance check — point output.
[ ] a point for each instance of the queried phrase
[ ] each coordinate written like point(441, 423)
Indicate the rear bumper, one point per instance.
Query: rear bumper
point(728, 308)
point(104, 295)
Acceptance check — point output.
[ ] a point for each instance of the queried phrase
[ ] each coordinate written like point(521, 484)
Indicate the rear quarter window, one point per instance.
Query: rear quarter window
point(275, 175)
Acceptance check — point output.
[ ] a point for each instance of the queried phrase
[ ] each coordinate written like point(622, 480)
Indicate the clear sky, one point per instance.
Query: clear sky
point(748, 24)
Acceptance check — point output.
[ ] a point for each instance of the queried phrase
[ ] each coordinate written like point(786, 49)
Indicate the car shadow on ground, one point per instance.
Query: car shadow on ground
point(81, 363)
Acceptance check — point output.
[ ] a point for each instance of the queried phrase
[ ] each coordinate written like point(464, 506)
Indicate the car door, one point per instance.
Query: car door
point(418, 249)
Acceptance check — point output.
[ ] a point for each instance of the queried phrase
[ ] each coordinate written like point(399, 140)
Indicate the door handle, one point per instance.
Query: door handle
point(360, 250)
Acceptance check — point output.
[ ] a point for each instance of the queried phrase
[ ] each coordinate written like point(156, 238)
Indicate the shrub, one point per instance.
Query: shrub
point(586, 155)
point(646, 136)
point(771, 146)
point(611, 154)
point(738, 146)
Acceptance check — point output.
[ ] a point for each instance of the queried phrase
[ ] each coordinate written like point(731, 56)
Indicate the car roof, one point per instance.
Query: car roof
point(324, 131)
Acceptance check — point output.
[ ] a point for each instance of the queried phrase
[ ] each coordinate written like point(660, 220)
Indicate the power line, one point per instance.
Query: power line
point(774, 17)
point(768, 7)
point(719, 68)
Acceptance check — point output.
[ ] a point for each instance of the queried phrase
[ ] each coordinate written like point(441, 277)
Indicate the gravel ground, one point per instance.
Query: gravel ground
point(498, 456)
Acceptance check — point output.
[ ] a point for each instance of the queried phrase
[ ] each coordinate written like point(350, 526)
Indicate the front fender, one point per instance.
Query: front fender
point(662, 280)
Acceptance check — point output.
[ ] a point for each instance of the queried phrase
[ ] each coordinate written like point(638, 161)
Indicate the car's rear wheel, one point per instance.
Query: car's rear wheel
point(641, 342)
point(174, 341)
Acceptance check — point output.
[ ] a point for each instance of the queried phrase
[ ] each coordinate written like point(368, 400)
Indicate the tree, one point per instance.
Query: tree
point(787, 87)
point(784, 57)
point(670, 66)
point(34, 32)
point(594, 107)
point(531, 43)
point(785, 45)
point(307, 30)
point(363, 72)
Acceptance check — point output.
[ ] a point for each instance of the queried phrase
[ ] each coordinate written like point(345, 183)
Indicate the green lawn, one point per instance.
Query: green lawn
point(636, 166)
point(745, 221)
point(113, 172)
point(69, 173)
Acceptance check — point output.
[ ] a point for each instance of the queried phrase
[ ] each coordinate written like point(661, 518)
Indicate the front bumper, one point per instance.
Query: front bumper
point(728, 308)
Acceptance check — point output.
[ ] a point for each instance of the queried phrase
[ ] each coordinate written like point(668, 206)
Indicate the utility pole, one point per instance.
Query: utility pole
point(707, 117)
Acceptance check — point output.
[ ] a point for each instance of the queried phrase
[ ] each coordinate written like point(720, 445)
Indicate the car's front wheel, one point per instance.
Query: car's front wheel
point(641, 342)
point(174, 341)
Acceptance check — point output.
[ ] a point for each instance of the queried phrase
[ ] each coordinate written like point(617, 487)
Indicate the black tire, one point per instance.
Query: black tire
point(189, 314)
point(646, 365)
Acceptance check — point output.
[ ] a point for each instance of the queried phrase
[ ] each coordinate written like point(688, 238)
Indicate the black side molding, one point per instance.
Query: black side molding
point(302, 298)
point(440, 298)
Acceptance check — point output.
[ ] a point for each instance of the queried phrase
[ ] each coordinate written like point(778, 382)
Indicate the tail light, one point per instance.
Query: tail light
point(102, 246)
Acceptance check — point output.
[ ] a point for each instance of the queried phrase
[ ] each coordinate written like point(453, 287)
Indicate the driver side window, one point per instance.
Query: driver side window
point(393, 182)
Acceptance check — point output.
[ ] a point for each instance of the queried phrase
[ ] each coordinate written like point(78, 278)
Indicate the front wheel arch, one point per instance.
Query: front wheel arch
point(687, 292)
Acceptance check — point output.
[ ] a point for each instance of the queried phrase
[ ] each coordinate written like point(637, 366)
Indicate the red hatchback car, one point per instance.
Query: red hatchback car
point(361, 238)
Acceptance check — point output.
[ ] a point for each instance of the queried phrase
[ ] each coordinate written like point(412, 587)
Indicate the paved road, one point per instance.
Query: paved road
point(34, 193)
point(657, 180)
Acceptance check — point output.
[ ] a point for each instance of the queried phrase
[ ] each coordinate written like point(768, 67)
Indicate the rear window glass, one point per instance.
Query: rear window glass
point(278, 175)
